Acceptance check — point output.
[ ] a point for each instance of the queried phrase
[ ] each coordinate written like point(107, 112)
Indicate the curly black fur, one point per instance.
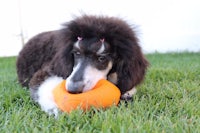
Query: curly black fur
point(49, 53)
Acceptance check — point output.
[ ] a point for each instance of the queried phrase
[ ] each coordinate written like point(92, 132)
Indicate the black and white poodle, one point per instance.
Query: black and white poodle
point(85, 50)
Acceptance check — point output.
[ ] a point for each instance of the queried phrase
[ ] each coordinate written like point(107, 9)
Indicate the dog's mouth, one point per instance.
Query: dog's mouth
point(75, 88)
point(86, 79)
point(80, 86)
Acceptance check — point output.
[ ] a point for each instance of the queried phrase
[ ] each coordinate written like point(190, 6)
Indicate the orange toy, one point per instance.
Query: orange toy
point(103, 95)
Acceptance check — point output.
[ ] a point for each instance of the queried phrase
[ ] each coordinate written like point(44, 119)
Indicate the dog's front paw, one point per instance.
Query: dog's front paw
point(128, 96)
point(48, 105)
point(45, 95)
point(52, 111)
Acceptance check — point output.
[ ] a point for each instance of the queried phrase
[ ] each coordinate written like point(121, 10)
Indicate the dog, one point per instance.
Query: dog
point(85, 50)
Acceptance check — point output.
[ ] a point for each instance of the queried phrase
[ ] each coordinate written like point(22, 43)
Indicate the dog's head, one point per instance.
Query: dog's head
point(92, 62)
point(102, 48)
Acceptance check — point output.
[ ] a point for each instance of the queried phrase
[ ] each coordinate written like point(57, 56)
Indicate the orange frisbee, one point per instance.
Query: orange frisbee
point(104, 94)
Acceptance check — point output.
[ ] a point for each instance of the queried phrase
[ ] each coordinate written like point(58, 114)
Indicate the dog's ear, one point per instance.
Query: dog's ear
point(130, 64)
point(63, 61)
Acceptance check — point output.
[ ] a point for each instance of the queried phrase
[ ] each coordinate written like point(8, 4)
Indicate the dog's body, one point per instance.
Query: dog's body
point(88, 49)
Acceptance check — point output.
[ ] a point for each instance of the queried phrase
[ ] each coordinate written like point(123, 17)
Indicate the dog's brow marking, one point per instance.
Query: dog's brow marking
point(79, 38)
point(77, 45)
point(102, 48)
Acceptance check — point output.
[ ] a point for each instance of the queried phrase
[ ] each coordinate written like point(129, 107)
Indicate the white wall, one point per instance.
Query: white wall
point(163, 25)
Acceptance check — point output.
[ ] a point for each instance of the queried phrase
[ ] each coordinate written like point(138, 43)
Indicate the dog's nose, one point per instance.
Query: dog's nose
point(75, 88)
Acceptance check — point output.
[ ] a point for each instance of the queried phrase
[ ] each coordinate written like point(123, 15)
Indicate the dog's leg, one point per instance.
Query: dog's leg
point(45, 95)
point(129, 94)
point(41, 87)
point(38, 78)
point(113, 77)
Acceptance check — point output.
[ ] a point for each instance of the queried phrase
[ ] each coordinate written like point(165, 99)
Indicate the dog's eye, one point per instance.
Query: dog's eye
point(77, 53)
point(101, 58)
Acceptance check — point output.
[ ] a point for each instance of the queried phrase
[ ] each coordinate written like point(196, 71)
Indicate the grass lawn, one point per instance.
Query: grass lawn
point(168, 101)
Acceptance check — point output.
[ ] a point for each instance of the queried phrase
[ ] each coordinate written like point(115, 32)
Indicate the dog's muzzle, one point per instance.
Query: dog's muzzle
point(75, 88)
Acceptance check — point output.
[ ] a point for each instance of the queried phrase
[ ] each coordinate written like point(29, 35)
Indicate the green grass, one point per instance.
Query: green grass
point(168, 101)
